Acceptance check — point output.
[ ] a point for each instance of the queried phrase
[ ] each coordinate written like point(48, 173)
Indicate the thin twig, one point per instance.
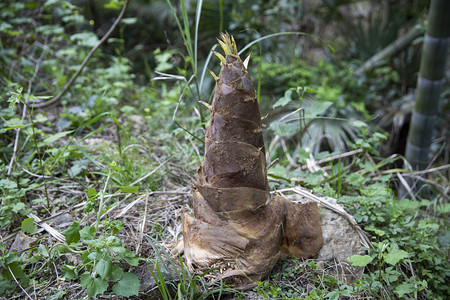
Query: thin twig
point(151, 172)
point(135, 145)
point(16, 143)
point(24, 113)
point(427, 171)
point(53, 232)
point(141, 230)
point(405, 185)
point(337, 156)
point(391, 50)
point(85, 61)
point(15, 279)
point(432, 183)
point(32, 174)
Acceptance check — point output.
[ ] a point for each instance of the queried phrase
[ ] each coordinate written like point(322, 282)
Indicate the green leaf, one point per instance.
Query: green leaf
point(129, 21)
point(95, 255)
point(88, 39)
point(103, 267)
point(8, 184)
point(395, 256)
point(70, 272)
point(18, 207)
point(444, 239)
point(131, 257)
point(303, 155)
point(359, 124)
point(404, 288)
point(333, 295)
point(285, 128)
point(87, 233)
point(283, 101)
point(16, 269)
point(129, 189)
point(360, 260)
point(376, 230)
point(72, 233)
point(367, 165)
point(133, 261)
point(116, 273)
point(127, 286)
point(15, 98)
point(355, 179)
point(77, 168)
point(28, 225)
point(92, 193)
point(93, 286)
point(317, 108)
point(54, 137)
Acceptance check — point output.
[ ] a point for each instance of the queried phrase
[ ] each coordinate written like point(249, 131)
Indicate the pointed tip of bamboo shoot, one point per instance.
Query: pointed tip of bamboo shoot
point(206, 104)
point(220, 56)
point(233, 44)
point(213, 75)
point(246, 61)
point(228, 44)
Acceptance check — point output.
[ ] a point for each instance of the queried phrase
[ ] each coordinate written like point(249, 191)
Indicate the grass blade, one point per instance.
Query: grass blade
point(285, 33)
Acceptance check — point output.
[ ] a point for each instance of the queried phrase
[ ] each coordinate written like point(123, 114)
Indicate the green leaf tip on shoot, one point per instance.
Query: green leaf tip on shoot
point(220, 56)
point(228, 45)
point(212, 73)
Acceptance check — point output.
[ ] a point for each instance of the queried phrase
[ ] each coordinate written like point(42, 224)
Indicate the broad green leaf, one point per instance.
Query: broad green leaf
point(283, 101)
point(127, 286)
point(92, 193)
point(358, 123)
point(131, 257)
point(121, 250)
point(103, 267)
point(285, 128)
point(70, 272)
point(333, 295)
point(317, 108)
point(376, 230)
point(93, 286)
point(360, 260)
point(367, 165)
point(395, 256)
point(404, 288)
point(95, 255)
point(355, 179)
point(390, 275)
point(8, 184)
point(72, 233)
point(129, 189)
point(28, 225)
point(17, 270)
point(76, 169)
point(133, 261)
point(303, 155)
point(116, 273)
point(444, 239)
point(40, 118)
point(18, 207)
point(87, 233)
point(88, 39)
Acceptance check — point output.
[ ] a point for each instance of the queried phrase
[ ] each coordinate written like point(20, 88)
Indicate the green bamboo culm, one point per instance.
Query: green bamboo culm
point(429, 84)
